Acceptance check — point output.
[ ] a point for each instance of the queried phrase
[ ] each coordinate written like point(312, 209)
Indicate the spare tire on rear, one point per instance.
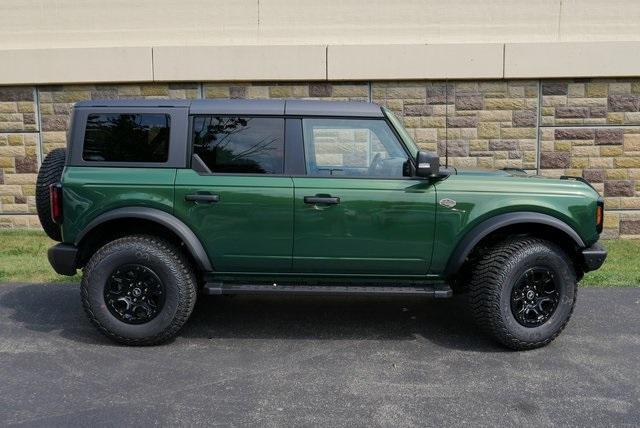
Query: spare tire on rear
point(50, 173)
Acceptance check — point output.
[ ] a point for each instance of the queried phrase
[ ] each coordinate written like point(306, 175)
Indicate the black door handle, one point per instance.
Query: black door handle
point(202, 197)
point(326, 200)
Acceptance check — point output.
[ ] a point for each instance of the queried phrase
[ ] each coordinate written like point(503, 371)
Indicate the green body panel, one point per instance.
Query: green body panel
point(380, 226)
point(250, 229)
point(91, 191)
point(483, 195)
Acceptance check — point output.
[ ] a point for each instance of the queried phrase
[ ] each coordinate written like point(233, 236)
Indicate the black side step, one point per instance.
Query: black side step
point(438, 291)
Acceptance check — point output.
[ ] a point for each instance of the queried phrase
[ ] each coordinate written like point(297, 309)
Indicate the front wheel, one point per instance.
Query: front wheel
point(522, 292)
point(138, 290)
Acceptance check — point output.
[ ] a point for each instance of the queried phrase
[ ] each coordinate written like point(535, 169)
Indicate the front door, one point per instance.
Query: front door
point(356, 211)
point(236, 198)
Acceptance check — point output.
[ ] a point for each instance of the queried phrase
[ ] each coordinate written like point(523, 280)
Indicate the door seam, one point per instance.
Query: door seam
point(293, 226)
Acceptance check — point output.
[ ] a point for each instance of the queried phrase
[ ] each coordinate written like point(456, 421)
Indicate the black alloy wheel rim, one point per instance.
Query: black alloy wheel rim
point(134, 294)
point(535, 297)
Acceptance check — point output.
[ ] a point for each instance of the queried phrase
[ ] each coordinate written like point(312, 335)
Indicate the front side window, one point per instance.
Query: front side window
point(352, 147)
point(249, 145)
point(130, 137)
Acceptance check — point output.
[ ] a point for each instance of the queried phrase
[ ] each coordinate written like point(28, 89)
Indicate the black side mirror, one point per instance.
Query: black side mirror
point(427, 164)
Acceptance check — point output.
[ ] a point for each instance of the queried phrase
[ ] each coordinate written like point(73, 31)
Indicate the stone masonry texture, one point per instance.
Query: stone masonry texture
point(582, 127)
point(489, 124)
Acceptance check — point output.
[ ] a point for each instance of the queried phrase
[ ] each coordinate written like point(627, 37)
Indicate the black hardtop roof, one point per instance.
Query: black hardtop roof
point(251, 107)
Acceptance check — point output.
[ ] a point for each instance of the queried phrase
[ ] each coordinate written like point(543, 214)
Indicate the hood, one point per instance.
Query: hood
point(518, 173)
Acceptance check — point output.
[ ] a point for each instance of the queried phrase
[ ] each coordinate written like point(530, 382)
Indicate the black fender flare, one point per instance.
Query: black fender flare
point(191, 241)
point(475, 235)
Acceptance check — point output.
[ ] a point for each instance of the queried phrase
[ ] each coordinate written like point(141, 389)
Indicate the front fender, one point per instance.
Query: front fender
point(477, 233)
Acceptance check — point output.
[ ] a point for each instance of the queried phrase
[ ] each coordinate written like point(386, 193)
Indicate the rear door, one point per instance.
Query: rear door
point(356, 211)
point(235, 197)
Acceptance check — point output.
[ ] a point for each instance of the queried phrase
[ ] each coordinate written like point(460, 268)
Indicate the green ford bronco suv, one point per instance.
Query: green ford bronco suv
point(159, 200)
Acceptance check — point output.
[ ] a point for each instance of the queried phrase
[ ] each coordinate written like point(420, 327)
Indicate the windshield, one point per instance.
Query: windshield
point(406, 138)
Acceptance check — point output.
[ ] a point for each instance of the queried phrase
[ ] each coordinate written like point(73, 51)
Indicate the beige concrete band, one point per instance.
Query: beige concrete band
point(319, 62)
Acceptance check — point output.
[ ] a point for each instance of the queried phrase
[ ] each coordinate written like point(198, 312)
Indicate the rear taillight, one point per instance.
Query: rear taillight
point(55, 200)
point(600, 215)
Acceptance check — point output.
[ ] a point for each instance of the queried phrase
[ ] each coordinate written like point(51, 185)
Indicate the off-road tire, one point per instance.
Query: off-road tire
point(50, 173)
point(167, 262)
point(495, 273)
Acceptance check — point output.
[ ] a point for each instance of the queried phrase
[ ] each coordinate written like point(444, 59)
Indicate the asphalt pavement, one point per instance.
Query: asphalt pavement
point(309, 361)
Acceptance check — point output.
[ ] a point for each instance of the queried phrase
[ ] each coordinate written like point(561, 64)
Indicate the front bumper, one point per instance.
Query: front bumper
point(593, 257)
point(62, 258)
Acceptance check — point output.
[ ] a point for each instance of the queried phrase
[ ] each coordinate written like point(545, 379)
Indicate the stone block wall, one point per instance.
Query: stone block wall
point(19, 155)
point(583, 127)
point(490, 124)
point(591, 128)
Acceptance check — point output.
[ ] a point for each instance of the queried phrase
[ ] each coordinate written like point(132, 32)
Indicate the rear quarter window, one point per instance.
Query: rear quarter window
point(126, 137)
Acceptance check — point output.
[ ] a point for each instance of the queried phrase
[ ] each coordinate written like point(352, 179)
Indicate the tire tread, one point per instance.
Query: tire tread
point(485, 289)
point(50, 173)
point(187, 288)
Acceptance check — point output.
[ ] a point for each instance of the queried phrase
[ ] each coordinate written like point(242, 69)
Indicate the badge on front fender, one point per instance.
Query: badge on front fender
point(447, 203)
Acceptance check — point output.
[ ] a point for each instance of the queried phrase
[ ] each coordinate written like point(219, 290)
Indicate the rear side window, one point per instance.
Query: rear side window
point(135, 137)
point(249, 145)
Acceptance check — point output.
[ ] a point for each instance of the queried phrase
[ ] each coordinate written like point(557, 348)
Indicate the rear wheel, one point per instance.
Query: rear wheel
point(50, 173)
point(138, 290)
point(522, 292)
